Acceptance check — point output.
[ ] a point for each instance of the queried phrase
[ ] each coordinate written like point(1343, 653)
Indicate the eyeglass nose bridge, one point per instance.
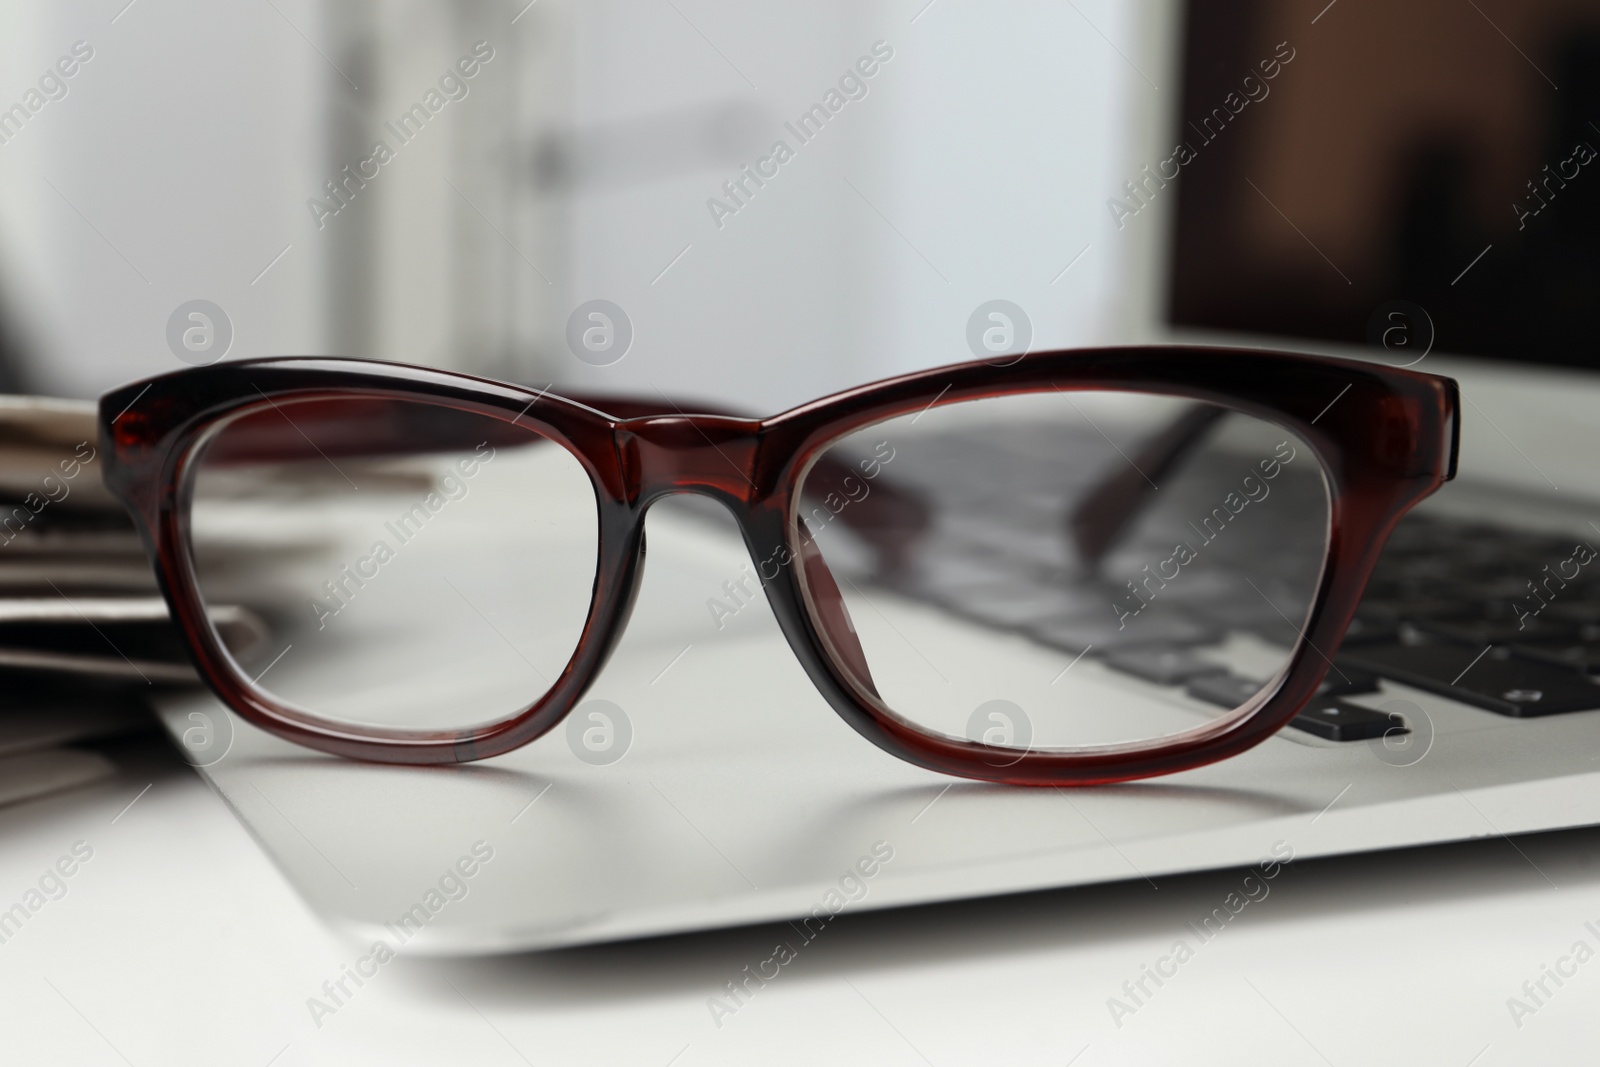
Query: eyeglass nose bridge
point(710, 454)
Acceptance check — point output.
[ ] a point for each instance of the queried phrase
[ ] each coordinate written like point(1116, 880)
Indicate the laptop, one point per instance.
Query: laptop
point(1284, 189)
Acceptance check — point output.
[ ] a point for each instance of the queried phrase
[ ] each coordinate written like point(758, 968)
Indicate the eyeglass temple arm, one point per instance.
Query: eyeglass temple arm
point(1104, 514)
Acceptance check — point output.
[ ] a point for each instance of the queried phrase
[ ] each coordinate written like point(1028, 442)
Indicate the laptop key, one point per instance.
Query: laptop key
point(1578, 612)
point(1415, 608)
point(1224, 690)
point(1367, 631)
point(1078, 633)
point(1248, 615)
point(1480, 632)
point(1492, 680)
point(1231, 690)
point(1336, 720)
point(1582, 656)
point(1162, 665)
point(1499, 590)
point(1346, 679)
point(1022, 605)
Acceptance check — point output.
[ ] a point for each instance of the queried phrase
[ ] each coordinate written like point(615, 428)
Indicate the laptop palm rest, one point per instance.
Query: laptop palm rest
point(739, 796)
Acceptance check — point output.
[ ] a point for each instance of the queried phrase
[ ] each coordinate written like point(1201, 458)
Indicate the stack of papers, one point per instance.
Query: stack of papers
point(85, 638)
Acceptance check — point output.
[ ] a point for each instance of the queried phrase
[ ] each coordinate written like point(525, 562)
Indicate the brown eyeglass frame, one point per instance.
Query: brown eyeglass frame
point(1385, 438)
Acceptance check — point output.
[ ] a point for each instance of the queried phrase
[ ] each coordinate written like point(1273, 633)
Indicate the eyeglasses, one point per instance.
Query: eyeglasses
point(412, 566)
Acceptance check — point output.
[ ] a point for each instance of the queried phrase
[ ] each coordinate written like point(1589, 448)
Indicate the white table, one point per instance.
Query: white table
point(179, 943)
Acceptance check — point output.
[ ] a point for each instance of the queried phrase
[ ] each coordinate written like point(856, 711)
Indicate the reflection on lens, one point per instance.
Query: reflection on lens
point(407, 565)
point(1123, 567)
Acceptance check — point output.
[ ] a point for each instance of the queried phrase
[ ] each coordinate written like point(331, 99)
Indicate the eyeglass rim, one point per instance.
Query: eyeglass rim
point(1385, 437)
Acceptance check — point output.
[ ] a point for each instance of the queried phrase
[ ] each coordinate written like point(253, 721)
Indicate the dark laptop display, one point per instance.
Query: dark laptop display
point(1434, 152)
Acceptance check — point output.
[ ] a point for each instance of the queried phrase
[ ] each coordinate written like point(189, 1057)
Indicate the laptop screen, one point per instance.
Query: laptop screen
point(1341, 163)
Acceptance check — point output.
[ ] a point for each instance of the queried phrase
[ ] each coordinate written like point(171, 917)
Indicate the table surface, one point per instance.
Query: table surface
point(177, 942)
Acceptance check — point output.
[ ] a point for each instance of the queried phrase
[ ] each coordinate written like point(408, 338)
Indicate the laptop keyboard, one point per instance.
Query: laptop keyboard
point(1449, 609)
point(1504, 620)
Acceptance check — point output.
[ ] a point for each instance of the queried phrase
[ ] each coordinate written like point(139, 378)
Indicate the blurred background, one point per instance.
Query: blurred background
point(1404, 141)
point(578, 166)
point(584, 158)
